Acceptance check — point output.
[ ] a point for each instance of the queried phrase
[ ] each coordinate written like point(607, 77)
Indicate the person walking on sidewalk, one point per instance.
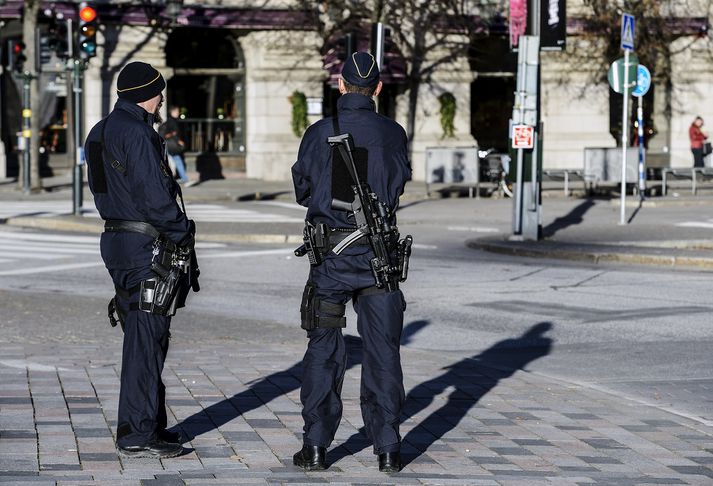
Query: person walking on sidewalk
point(697, 138)
point(146, 235)
point(382, 161)
point(171, 132)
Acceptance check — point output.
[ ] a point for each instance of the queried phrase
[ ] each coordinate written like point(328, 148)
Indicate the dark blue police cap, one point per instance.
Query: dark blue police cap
point(361, 70)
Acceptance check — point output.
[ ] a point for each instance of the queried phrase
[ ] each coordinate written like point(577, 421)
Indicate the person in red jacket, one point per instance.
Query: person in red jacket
point(697, 137)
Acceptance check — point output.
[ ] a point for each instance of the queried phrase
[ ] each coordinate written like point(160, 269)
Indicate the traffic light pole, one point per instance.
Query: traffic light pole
point(26, 131)
point(78, 173)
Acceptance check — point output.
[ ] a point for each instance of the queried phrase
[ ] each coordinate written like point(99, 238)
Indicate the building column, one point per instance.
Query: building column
point(276, 65)
point(454, 77)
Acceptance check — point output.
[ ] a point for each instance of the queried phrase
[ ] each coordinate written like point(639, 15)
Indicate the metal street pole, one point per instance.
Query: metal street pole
point(642, 149)
point(26, 131)
point(521, 82)
point(78, 175)
point(624, 137)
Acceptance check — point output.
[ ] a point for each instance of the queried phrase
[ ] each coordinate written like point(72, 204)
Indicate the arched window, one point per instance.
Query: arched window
point(208, 87)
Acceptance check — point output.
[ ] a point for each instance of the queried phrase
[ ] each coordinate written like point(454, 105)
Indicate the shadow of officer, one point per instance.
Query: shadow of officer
point(472, 379)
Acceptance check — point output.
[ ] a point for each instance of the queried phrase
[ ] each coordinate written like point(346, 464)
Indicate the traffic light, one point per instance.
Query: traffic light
point(59, 35)
point(16, 55)
point(87, 31)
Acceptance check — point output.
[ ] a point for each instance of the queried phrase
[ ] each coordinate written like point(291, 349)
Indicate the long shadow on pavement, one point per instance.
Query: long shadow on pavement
point(268, 388)
point(472, 379)
point(573, 218)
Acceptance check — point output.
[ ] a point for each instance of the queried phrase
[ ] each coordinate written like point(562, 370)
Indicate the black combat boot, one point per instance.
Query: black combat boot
point(311, 458)
point(156, 448)
point(390, 462)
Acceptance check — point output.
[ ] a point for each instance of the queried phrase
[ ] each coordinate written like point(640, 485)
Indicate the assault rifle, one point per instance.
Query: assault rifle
point(372, 219)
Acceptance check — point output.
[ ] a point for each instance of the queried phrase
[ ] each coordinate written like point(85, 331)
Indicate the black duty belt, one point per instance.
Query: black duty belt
point(120, 226)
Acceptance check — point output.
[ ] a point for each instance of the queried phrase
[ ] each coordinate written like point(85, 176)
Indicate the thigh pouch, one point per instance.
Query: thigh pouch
point(317, 313)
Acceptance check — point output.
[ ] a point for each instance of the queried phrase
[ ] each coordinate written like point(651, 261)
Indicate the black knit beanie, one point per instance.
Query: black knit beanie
point(139, 82)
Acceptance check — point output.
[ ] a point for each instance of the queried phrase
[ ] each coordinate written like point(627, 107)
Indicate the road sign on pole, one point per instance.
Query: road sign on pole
point(628, 30)
point(523, 137)
point(643, 81)
point(628, 23)
point(616, 73)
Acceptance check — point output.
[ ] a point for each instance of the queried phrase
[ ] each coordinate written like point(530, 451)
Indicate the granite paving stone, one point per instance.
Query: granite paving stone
point(239, 410)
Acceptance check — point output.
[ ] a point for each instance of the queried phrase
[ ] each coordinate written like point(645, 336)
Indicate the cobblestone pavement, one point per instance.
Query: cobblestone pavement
point(466, 421)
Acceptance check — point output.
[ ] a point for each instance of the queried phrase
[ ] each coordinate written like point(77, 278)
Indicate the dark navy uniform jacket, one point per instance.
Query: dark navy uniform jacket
point(388, 166)
point(144, 191)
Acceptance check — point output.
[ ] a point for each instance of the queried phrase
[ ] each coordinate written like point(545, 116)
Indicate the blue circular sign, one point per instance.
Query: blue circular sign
point(643, 81)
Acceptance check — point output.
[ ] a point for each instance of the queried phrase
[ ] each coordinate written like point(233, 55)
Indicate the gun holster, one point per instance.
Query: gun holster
point(115, 314)
point(316, 243)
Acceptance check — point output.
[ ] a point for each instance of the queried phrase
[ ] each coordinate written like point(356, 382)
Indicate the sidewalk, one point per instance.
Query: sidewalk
point(574, 229)
point(479, 420)
point(663, 231)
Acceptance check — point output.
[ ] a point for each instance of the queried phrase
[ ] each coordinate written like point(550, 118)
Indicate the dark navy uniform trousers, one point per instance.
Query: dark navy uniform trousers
point(380, 322)
point(142, 399)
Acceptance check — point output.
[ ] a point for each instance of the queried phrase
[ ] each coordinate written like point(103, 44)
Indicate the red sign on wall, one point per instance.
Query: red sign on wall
point(518, 20)
point(523, 137)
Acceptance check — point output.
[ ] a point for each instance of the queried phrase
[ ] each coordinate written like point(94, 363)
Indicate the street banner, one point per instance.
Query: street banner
point(518, 21)
point(523, 137)
point(553, 25)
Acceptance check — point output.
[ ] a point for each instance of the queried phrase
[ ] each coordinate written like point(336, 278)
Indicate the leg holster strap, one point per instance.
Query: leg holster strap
point(336, 314)
point(114, 311)
point(370, 291)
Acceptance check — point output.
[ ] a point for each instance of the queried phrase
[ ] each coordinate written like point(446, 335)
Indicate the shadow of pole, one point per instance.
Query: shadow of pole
point(636, 211)
point(268, 388)
point(472, 378)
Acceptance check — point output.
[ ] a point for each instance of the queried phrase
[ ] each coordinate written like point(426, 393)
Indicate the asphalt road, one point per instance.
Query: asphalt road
point(638, 332)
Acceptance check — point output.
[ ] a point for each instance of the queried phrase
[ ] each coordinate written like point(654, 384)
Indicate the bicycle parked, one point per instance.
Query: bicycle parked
point(494, 168)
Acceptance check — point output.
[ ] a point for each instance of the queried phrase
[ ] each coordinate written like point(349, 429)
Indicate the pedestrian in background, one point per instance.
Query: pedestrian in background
point(175, 145)
point(382, 161)
point(697, 138)
point(135, 194)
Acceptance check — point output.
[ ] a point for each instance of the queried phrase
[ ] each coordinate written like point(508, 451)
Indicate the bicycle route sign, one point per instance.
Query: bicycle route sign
point(643, 81)
point(523, 137)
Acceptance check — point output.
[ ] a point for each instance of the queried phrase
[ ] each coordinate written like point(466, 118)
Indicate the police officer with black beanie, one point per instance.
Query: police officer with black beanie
point(381, 158)
point(134, 191)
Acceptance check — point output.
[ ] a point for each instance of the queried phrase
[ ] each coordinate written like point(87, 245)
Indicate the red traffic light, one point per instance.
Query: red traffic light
point(18, 47)
point(87, 14)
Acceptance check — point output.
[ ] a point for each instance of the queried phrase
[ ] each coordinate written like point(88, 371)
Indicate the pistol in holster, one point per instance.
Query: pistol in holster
point(316, 243)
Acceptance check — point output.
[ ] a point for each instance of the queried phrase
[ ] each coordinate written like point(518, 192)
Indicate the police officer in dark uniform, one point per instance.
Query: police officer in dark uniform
point(135, 194)
point(382, 161)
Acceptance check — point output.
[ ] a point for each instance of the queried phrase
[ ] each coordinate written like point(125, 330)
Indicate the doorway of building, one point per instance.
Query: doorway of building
point(208, 88)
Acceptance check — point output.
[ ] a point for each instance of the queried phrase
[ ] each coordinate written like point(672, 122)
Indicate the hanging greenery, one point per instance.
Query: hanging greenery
point(448, 114)
point(299, 113)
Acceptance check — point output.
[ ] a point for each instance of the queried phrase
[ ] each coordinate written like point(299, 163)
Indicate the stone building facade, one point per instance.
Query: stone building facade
point(274, 55)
